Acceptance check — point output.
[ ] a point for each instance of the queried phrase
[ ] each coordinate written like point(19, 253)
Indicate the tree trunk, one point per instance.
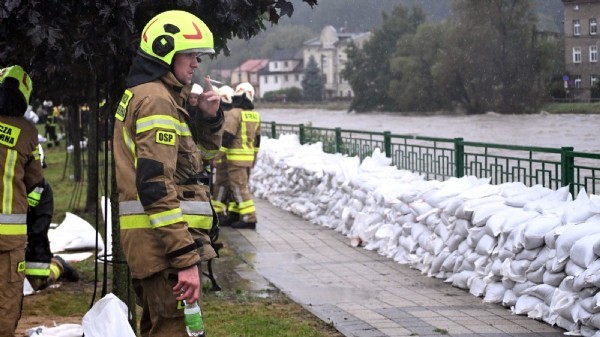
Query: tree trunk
point(91, 203)
point(75, 139)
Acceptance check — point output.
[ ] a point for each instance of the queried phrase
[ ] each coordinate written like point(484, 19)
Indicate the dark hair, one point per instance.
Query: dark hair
point(12, 102)
point(242, 102)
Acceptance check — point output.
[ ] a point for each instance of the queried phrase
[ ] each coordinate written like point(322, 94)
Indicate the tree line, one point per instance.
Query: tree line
point(487, 56)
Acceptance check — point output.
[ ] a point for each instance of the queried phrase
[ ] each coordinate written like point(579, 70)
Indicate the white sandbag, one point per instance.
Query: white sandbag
point(515, 269)
point(567, 239)
point(573, 269)
point(517, 219)
point(509, 299)
point(542, 291)
point(74, 233)
point(364, 225)
point(541, 259)
point(462, 279)
point(108, 317)
point(563, 303)
point(528, 254)
point(533, 193)
point(525, 304)
point(477, 286)
point(591, 304)
point(536, 276)
point(486, 245)
point(534, 233)
point(475, 234)
point(519, 288)
point(496, 222)
point(465, 211)
point(494, 293)
point(483, 189)
point(554, 279)
point(482, 213)
point(578, 210)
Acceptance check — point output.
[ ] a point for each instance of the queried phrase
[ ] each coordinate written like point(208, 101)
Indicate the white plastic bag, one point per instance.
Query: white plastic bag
point(108, 317)
point(62, 330)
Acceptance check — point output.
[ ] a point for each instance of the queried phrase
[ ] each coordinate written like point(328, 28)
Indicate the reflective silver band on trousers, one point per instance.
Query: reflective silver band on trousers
point(187, 207)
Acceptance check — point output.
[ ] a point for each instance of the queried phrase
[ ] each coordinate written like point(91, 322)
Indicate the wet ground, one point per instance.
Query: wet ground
point(357, 291)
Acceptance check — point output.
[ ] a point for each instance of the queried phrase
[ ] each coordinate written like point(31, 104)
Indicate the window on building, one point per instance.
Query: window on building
point(577, 81)
point(593, 53)
point(297, 77)
point(285, 64)
point(276, 79)
point(275, 65)
point(285, 78)
point(266, 79)
point(576, 55)
point(593, 26)
point(593, 80)
point(576, 28)
point(239, 77)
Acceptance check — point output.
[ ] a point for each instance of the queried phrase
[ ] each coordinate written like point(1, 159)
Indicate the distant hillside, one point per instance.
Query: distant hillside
point(355, 15)
point(365, 15)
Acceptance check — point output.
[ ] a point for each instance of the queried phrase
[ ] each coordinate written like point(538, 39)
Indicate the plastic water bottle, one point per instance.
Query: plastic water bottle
point(193, 320)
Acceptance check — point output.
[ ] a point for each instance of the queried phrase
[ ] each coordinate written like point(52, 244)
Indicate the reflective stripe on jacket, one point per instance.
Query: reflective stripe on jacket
point(244, 125)
point(21, 172)
point(154, 151)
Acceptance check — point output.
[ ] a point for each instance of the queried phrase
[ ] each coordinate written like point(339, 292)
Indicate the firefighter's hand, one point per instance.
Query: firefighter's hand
point(209, 101)
point(188, 285)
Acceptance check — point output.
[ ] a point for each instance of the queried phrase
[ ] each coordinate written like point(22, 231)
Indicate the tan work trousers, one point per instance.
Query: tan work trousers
point(220, 188)
point(162, 313)
point(240, 192)
point(11, 290)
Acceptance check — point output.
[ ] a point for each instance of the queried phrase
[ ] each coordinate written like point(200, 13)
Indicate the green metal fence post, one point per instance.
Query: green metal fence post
point(338, 140)
point(387, 143)
point(459, 157)
point(567, 168)
point(273, 130)
point(302, 134)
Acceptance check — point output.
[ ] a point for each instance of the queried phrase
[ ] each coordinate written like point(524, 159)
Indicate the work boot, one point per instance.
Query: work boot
point(243, 225)
point(223, 220)
point(69, 272)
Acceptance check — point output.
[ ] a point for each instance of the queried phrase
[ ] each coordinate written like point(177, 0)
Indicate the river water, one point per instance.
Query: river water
point(581, 131)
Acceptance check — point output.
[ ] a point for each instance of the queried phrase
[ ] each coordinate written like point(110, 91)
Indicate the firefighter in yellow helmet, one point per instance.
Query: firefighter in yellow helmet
point(21, 174)
point(220, 188)
point(165, 213)
point(240, 145)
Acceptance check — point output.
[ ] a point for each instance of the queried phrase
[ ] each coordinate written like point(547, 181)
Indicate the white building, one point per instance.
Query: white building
point(329, 50)
point(284, 70)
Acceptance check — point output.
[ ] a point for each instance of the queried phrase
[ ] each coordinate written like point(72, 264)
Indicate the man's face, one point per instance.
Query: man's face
point(184, 65)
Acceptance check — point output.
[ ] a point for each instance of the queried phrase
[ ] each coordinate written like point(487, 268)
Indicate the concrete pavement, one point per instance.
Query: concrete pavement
point(362, 293)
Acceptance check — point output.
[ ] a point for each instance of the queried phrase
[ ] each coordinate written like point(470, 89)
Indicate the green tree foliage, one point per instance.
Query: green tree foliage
point(490, 62)
point(80, 50)
point(284, 95)
point(413, 87)
point(368, 68)
point(313, 82)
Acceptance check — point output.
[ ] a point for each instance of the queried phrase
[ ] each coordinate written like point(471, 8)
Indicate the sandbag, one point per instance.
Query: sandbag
point(108, 317)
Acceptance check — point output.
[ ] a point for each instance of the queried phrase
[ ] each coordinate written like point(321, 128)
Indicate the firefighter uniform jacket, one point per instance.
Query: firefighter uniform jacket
point(21, 173)
point(241, 137)
point(158, 165)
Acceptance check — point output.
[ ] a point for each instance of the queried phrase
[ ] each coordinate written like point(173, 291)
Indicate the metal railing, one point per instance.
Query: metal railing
point(442, 158)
